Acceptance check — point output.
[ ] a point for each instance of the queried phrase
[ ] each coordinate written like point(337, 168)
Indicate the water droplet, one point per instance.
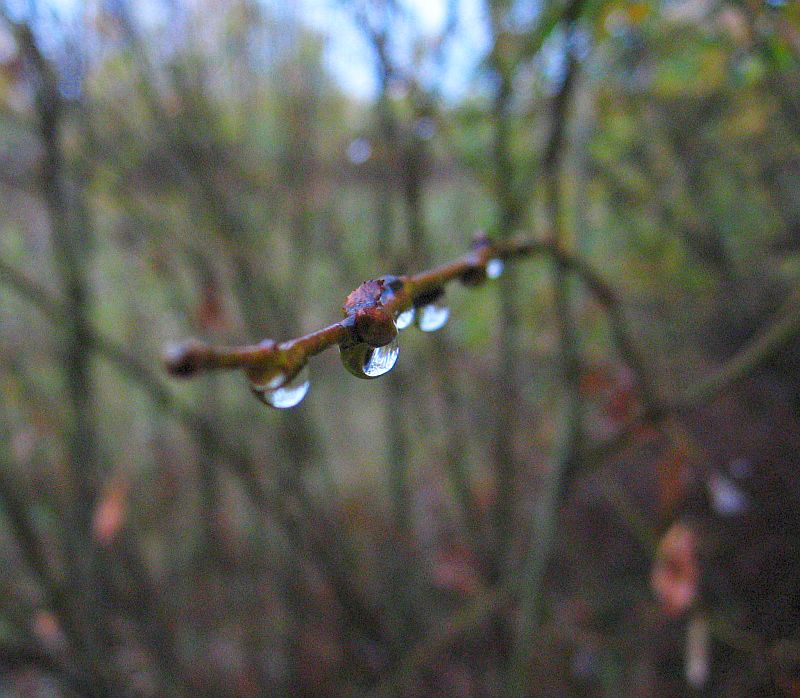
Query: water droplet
point(364, 361)
point(391, 285)
point(425, 128)
point(494, 268)
point(404, 319)
point(382, 359)
point(282, 394)
point(726, 498)
point(358, 151)
point(432, 317)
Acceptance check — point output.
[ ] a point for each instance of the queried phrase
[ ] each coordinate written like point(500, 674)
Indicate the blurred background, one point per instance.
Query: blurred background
point(585, 484)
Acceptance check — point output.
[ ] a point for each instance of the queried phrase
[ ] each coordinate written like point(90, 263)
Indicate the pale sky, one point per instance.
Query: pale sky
point(350, 59)
point(347, 55)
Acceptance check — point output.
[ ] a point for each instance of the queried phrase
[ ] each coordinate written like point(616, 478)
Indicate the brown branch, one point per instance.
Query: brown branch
point(369, 312)
point(15, 656)
point(367, 316)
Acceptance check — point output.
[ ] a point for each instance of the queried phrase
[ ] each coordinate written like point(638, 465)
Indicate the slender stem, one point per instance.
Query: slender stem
point(566, 460)
point(71, 250)
point(187, 360)
point(505, 397)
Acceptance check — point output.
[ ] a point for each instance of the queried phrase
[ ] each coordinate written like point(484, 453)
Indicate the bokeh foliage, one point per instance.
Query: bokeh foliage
point(214, 180)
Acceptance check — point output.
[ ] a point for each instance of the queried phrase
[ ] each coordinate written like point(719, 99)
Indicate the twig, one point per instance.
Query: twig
point(15, 656)
point(66, 608)
point(566, 461)
point(71, 255)
point(369, 312)
point(759, 350)
point(763, 347)
point(506, 396)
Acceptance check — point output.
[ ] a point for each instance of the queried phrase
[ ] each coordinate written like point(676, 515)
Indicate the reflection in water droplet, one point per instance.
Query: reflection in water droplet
point(364, 361)
point(382, 359)
point(281, 394)
point(494, 268)
point(432, 317)
point(404, 319)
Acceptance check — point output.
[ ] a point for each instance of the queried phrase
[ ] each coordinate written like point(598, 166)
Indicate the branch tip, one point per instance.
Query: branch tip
point(186, 359)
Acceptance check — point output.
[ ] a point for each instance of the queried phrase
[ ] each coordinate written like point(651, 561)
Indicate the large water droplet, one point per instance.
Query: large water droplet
point(494, 268)
point(432, 317)
point(404, 319)
point(382, 359)
point(364, 361)
point(282, 394)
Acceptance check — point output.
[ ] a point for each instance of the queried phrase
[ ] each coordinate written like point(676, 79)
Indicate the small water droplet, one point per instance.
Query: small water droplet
point(282, 394)
point(726, 498)
point(494, 268)
point(404, 319)
point(432, 317)
point(382, 359)
point(391, 285)
point(359, 151)
point(425, 128)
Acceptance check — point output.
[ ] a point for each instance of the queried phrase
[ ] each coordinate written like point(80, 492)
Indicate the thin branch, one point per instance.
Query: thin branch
point(15, 656)
point(71, 248)
point(749, 359)
point(369, 313)
point(57, 595)
point(753, 355)
point(567, 457)
point(505, 398)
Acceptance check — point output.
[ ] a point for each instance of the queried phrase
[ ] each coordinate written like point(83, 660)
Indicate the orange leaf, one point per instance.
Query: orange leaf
point(676, 572)
point(111, 511)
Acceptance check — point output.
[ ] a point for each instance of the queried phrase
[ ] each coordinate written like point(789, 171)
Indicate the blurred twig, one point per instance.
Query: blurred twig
point(71, 246)
point(755, 353)
point(506, 397)
point(566, 460)
point(56, 592)
point(265, 500)
point(15, 656)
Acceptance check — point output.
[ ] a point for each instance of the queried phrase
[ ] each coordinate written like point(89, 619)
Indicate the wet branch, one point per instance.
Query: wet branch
point(369, 315)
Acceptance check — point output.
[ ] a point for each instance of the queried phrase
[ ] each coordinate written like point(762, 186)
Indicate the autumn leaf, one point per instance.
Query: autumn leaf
point(676, 572)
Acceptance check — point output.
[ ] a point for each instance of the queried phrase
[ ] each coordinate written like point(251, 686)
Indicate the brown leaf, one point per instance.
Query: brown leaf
point(111, 511)
point(676, 572)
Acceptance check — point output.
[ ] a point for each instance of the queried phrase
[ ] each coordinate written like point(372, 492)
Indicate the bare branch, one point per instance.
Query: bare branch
point(369, 313)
